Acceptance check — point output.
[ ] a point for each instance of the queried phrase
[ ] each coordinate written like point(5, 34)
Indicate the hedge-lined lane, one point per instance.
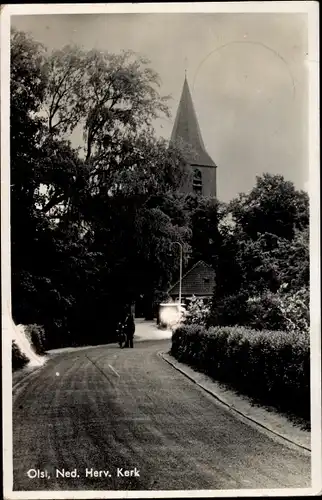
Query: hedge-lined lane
point(146, 415)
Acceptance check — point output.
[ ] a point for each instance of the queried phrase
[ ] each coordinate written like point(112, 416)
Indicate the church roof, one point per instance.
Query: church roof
point(186, 128)
point(198, 281)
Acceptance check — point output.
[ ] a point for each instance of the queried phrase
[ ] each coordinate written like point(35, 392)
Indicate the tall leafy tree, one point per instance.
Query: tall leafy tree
point(264, 246)
point(273, 206)
point(93, 228)
point(27, 88)
point(206, 239)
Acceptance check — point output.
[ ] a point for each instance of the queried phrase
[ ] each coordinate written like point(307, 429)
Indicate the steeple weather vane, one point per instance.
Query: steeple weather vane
point(185, 66)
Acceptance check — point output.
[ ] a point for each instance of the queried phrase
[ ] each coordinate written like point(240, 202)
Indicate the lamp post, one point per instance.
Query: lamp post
point(180, 272)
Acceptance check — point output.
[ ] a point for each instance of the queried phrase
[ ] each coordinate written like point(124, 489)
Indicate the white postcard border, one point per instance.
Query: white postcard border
point(312, 9)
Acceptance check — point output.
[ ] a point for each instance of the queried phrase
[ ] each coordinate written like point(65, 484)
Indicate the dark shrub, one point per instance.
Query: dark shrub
point(19, 360)
point(265, 313)
point(229, 310)
point(36, 335)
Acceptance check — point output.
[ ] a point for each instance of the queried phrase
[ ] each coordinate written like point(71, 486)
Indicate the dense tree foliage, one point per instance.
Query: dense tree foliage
point(273, 206)
point(92, 225)
point(264, 253)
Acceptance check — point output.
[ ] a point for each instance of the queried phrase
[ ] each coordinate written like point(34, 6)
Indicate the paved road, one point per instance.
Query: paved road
point(105, 408)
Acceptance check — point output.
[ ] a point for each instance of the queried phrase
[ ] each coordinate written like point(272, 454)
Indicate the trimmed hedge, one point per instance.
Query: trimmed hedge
point(19, 360)
point(271, 366)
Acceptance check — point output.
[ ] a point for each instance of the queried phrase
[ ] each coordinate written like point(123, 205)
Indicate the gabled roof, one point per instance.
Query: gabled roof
point(187, 129)
point(199, 280)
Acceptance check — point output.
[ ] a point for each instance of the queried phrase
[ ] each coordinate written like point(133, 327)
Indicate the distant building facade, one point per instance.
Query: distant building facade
point(201, 169)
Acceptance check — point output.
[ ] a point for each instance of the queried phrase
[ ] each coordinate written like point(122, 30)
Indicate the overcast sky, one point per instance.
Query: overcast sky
point(246, 72)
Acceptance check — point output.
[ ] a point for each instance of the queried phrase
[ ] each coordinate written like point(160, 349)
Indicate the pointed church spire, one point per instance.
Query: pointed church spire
point(186, 128)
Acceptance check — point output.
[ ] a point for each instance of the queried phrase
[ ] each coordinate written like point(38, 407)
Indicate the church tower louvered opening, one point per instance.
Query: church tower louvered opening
point(201, 168)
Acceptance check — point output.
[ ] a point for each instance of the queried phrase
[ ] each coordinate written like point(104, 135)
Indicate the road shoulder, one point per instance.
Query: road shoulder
point(22, 377)
point(270, 421)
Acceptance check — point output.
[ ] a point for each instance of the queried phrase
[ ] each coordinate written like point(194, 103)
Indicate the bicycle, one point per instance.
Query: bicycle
point(121, 339)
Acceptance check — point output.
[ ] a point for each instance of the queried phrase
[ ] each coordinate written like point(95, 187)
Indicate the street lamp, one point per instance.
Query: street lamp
point(180, 275)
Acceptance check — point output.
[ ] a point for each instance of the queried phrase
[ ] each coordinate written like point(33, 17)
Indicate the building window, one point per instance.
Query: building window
point(197, 182)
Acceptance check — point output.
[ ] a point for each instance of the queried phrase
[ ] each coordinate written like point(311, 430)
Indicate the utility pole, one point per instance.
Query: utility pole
point(180, 272)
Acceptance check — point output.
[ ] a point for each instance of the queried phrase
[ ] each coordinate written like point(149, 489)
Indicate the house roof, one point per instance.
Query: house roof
point(186, 128)
point(199, 281)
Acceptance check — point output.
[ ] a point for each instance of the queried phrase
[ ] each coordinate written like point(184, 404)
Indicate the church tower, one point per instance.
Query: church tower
point(201, 168)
